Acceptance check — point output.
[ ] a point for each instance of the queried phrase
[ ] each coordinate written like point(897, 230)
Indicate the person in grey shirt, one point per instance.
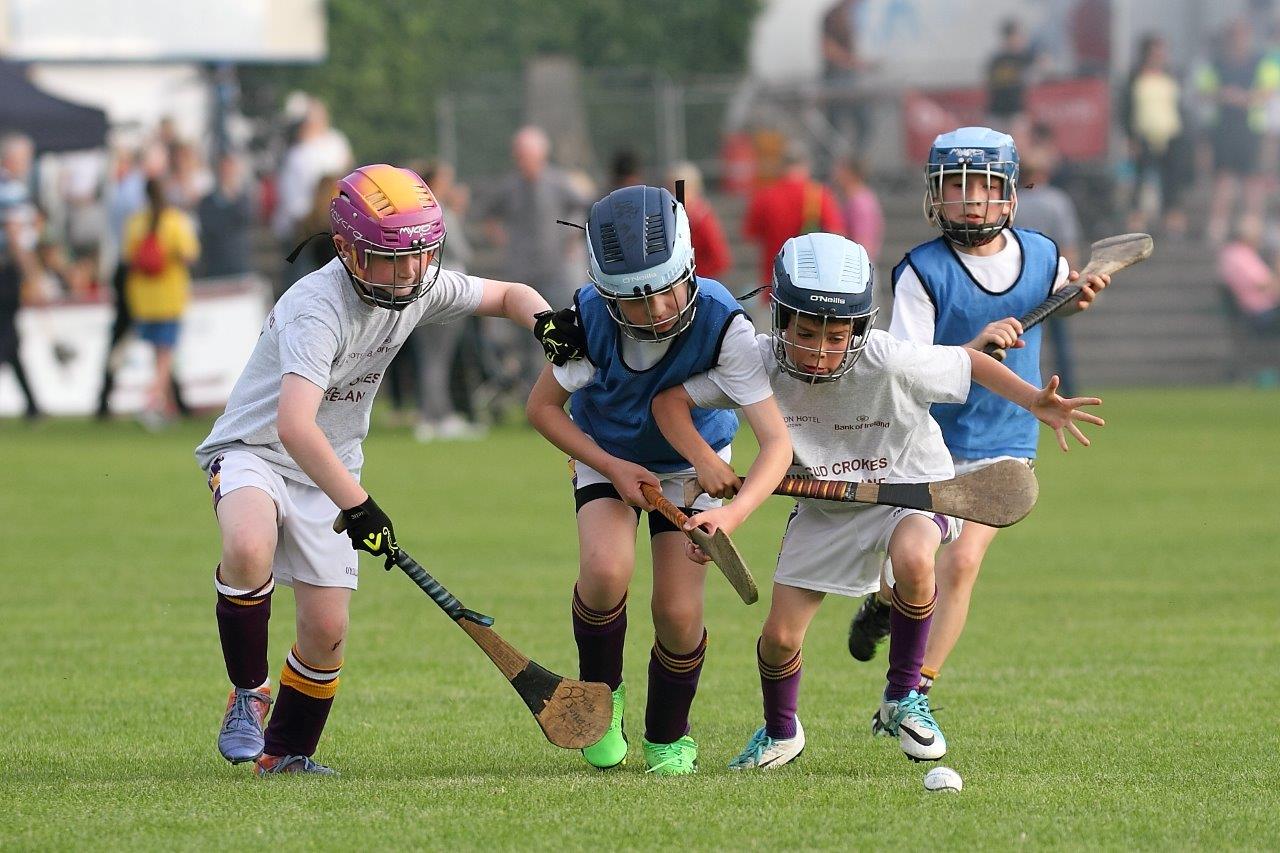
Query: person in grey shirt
point(520, 216)
point(284, 459)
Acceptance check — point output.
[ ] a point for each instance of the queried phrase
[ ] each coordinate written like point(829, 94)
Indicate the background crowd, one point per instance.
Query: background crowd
point(137, 226)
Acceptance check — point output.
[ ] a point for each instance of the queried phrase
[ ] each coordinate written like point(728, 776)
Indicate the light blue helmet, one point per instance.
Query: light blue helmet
point(977, 154)
point(638, 245)
point(822, 279)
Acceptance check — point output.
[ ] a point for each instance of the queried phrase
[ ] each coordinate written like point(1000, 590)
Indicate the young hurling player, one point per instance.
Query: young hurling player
point(650, 324)
point(286, 455)
point(967, 288)
point(856, 403)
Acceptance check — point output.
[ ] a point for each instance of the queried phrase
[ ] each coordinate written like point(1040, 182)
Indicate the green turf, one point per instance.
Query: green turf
point(1116, 688)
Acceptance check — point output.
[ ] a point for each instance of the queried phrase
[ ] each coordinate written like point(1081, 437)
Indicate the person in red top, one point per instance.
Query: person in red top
point(710, 248)
point(792, 205)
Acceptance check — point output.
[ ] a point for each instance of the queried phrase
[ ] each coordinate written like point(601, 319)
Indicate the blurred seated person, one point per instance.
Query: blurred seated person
point(1253, 283)
point(711, 253)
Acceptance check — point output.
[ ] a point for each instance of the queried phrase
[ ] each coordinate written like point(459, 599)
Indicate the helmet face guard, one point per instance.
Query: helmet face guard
point(640, 257)
point(981, 158)
point(822, 286)
point(393, 231)
point(623, 310)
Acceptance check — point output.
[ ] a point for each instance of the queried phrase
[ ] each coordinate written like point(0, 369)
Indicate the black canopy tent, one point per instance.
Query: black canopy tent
point(55, 125)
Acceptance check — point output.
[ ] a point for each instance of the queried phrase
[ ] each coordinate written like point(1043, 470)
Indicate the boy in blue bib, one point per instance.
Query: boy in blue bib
point(650, 323)
point(967, 288)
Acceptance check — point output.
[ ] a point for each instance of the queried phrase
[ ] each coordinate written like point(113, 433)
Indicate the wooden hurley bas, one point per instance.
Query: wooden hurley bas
point(572, 714)
point(998, 495)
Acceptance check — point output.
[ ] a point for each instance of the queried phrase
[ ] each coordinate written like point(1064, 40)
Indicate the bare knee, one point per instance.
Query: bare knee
point(678, 626)
point(603, 581)
point(913, 574)
point(960, 567)
point(323, 632)
point(247, 559)
point(779, 643)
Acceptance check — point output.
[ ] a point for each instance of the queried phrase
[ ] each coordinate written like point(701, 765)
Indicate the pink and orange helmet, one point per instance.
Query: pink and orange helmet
point(393, 231)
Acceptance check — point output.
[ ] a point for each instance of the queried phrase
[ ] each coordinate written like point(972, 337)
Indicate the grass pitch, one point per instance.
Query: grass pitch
point(1116, 686)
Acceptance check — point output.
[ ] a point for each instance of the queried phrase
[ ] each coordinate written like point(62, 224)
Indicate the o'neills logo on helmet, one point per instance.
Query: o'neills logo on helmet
point(970, 153)
point(813, 297)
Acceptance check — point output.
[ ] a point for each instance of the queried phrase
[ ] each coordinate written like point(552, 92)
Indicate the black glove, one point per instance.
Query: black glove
point(370, 530)
point(561, 337)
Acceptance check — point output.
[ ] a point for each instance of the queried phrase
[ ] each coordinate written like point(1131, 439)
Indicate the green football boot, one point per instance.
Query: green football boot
point(611, 750)
point(671, 759)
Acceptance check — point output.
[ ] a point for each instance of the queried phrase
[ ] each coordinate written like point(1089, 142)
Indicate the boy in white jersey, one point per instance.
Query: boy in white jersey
point(967, 288)
point(285, 457)
point(650, 323)
point(856, 402)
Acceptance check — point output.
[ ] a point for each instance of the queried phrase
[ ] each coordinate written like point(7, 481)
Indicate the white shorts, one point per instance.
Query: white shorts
point(968, 466)
point(844, 549)
point(307, 548)
point(672, 482)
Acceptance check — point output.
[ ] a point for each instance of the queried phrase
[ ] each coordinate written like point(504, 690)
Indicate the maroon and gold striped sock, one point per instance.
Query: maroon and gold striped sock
point(673, 681)
point(908, 633)
point(242, 626)
point(781, 688)
point(302, 706)
point(600, 635)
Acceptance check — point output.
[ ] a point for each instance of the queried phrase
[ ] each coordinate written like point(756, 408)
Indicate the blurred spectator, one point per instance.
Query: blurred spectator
point(863, 218)
point(17, 241)
point(711, 250)
point(1008, 75)
point(317, 150)
point(81, 186)
point(842, 66)
point(226, 222)
point(128, 197)
point(1090, 26)
point(433, 346)
point(1151, 113)
point(160, 246)
point(625, 170)
point(794, 204)
point(1253, 284)
point(189, 180)
point(1229, 85)
point(1048, 209)
point(319, 251)
point(520, 216)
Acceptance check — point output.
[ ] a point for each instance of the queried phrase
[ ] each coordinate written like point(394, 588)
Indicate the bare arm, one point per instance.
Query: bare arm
point(546, 414)
point(770, 464)
point(517, 302)
point(308, 445)
point(1044, 403)
point(672, 409)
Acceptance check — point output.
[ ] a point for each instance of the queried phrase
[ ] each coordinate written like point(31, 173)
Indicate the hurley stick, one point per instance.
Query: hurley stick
point(572, 714)
point(1106, 256)
point(998, 495)
point(718, 546)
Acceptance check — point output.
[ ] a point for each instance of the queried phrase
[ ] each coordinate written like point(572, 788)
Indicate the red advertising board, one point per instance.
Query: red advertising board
point(1078, 111)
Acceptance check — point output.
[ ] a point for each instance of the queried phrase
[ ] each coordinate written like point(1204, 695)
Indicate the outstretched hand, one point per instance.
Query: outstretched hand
point(1061, 413)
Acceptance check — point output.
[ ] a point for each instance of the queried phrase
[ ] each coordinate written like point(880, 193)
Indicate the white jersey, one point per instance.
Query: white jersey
point(873, 423)
point(913, 311)
point(321, 331)
point(738, 372)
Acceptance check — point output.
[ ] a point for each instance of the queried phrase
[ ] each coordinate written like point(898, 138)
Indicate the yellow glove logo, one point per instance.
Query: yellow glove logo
point(373, 542)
